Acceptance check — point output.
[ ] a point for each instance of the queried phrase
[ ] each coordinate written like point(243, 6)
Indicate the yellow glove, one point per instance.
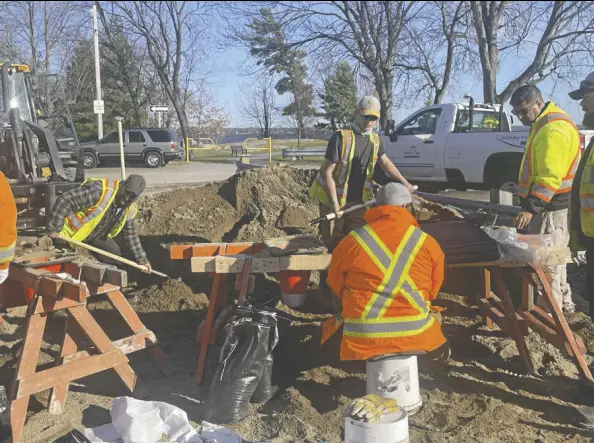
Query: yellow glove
point(371, 408)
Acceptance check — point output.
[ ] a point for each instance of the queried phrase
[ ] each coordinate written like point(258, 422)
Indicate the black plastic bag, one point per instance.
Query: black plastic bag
point(266, 390)
point(73, 437)
point(240, 368)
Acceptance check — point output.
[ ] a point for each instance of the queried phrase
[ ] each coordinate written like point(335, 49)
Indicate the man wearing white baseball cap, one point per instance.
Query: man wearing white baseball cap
point(345, 178)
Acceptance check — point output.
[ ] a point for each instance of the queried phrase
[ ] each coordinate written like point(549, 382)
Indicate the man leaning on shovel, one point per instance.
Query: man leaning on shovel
point(98, 212)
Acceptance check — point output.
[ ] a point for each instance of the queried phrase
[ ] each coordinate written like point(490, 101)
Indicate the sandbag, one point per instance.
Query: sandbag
point(266, 389)
point(241, 364)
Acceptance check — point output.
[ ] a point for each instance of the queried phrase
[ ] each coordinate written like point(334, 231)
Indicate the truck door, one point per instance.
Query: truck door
point(412, 145)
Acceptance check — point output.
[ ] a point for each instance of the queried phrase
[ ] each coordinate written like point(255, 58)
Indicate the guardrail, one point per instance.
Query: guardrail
point(188, 149)
point(269, 139)
point(299, 154)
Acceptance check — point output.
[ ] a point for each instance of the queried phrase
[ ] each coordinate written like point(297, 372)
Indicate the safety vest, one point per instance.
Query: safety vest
point(80, 225)
point(373, 322)
point(587, 195)
point(546, 184)
point(8, 220)
point(341, 173)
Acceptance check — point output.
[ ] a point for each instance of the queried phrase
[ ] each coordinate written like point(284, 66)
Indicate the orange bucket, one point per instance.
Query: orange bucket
point(293, 286)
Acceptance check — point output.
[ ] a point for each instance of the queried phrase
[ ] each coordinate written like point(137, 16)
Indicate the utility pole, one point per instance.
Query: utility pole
point(97, 71)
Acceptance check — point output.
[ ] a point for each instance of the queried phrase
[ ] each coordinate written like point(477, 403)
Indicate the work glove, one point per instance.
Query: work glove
point(579, 257)
point(371, 408)
point(3, 275)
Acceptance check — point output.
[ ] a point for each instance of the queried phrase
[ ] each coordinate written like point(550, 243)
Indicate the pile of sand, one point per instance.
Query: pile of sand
point(251, 206)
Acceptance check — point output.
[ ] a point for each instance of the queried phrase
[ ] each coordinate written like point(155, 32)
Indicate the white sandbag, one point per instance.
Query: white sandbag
point(140, 421)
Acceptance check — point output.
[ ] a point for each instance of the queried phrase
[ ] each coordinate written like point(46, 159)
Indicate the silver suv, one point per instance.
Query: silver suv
point(153, 146)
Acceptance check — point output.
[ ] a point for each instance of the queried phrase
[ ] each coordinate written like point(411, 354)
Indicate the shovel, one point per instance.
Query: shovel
point(110, 255)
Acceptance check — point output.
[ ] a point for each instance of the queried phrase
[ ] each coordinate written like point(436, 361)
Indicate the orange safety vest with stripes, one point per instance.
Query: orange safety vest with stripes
point(552, 156)
point(387, 288)
point(81, 224)
point(8, 227)
point(341, 173)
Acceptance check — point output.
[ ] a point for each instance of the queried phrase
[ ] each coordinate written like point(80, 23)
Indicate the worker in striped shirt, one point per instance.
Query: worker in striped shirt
point(99, 211)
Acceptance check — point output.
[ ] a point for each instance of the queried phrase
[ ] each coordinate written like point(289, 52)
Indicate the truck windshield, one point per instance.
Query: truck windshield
point(482, 121)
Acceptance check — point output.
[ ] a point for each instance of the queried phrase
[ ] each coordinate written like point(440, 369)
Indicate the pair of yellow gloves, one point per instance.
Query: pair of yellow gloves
point(371, 408)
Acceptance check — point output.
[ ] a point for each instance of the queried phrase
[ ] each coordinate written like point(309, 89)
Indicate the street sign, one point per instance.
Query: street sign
point(98, 107)
point(159, 108)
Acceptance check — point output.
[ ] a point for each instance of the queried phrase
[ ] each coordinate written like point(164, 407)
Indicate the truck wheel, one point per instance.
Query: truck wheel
point(89, 160)
point(506, 182)
point(153, 160)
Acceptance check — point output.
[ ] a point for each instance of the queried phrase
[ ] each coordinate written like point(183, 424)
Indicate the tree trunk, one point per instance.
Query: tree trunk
point(384, 82)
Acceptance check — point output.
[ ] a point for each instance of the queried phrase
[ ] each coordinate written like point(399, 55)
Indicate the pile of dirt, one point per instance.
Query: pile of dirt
point(251, 206)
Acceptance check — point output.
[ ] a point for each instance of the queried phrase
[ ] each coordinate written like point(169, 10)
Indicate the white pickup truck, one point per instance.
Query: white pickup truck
point(459, 146)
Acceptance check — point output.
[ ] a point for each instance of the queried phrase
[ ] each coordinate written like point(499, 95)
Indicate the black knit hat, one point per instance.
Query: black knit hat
point(135, 184)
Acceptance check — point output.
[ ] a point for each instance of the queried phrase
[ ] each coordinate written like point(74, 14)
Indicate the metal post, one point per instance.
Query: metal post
point(187, 149)
point(121, 138)
point(97, 70)
point(269, 149)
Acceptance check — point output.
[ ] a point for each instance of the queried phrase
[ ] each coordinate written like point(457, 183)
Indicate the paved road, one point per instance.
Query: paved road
point(181, 174)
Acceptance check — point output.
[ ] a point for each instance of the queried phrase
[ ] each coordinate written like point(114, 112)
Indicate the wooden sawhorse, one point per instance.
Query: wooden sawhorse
point(53, 293)
point(516, 322)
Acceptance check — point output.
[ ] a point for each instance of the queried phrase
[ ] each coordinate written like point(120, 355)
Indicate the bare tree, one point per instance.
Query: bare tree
point(172, 32)
point(46, 32)
point(552, 34)
point(434, 51)
point(258, 105)
point(368, 32)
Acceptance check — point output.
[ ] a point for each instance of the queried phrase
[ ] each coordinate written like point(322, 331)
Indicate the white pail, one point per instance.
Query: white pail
point(397, 377)
point(392, 429)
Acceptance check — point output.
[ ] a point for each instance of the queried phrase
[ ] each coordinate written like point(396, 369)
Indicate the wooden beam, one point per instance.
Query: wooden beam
point(47, 304)
point(551, 335)
point(97, 274)
point(68, 372)
point(234, 264)
point(37, 279)
point(127, 345)
point(180, 252)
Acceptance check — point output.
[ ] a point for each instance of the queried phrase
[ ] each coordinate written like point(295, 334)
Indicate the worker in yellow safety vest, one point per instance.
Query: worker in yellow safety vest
point(97, 212)
point(582, 194)
point(8, 228)
point(546, 176)
point(345, 177)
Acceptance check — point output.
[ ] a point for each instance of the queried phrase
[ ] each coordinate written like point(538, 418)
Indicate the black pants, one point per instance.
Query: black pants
point(590, 276)
point(109, 245)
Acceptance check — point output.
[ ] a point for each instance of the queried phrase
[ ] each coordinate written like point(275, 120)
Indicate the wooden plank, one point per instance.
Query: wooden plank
point(487, 291)
point(59, 392)
point(234, 264)
point(116, 277)
point(497, 317)
point(305, 262)
point(551, 335)
point(73, 269)
point(101, 341)
point(128, 345)
point(39, 280)
point(121, 305)
point(68, 372)
point(75, 291)
point(26, 367)
point(502, 292)
point(48, 304)
point(92, 273)
point(563, 327)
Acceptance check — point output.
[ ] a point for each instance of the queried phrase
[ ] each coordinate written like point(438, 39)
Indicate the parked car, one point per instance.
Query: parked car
point(153, 146)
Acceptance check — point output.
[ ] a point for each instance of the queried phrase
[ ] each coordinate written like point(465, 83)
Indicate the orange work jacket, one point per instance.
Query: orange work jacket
point(8, 229)
point(386, 274)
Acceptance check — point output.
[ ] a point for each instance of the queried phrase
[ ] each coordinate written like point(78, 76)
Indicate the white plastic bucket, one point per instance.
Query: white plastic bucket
point(392, 429)
point(397, 377)
point(293, 300)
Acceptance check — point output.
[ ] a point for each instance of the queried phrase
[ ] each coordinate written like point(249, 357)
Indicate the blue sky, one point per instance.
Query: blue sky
point(228, 87)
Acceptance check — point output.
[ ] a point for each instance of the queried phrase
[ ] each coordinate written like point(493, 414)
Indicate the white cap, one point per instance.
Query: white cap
point(394, 194)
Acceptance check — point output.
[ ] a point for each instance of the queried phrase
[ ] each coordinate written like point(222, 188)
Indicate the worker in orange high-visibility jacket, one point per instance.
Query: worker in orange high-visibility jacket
point(8, 228)
point(546, 176)
point(386, 274)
